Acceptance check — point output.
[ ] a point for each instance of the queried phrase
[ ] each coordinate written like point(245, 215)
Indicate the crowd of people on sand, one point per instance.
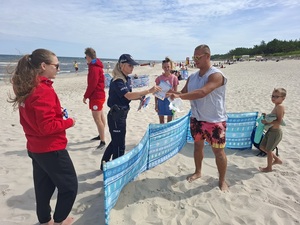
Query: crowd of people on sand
point(45, 129)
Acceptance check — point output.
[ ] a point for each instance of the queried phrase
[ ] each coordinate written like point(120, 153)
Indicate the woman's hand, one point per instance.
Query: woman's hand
point(74, 121)
point(154, 89)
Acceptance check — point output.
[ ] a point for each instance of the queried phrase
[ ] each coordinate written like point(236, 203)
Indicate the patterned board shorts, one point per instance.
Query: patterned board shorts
point(213, 133)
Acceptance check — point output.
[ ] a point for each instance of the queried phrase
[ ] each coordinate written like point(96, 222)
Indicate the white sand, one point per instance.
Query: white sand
point(162, 195)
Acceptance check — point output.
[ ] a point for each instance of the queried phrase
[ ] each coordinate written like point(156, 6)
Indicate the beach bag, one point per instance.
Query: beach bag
point(256, 145)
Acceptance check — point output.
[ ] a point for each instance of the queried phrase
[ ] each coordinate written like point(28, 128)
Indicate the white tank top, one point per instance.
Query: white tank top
point(211, 108)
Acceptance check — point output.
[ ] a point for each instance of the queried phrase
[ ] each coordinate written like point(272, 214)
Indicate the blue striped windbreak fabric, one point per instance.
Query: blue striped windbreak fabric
point(160, 143)
point(239, 129)
point(141, 81)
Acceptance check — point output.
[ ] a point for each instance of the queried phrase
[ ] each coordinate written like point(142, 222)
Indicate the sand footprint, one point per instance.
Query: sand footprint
point(288, 173)
point(3, 171)
point(18, 218)
point(81, 208)
point(4, 189)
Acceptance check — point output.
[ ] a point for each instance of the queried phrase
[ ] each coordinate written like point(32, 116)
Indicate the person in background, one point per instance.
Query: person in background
point(119, 97)
point(162, 106)
point(107, 67)
point(206, 91)
point(274, 134)
point(42, 120)
point(76, 66)
point(95, 93)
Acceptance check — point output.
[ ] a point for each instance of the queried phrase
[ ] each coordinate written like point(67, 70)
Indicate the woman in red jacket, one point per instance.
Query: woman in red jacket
point(45, 129)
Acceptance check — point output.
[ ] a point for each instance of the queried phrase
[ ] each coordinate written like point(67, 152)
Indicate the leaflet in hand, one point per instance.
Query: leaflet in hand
point(165, 87)
point(143, 102)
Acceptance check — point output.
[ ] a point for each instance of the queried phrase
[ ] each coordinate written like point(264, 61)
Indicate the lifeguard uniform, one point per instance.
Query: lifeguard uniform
point(45, 131)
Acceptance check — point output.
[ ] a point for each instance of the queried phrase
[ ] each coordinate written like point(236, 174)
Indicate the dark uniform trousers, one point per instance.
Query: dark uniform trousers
point(117, 129)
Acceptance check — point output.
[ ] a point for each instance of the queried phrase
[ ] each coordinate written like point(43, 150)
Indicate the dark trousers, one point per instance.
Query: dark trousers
point(54, 170)
point(117, 130)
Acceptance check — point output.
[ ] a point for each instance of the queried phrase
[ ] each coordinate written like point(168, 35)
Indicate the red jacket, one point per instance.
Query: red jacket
point(95, 81)
point(42, 120)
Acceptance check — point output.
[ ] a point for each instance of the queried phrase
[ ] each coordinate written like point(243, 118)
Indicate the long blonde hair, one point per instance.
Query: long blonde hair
point(25, 76)
point(117, 73)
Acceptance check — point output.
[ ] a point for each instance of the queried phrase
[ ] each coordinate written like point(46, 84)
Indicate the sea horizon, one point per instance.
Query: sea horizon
point(9, 62)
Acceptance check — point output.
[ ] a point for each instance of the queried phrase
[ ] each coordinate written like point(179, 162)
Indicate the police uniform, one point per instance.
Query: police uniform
point(116, 117)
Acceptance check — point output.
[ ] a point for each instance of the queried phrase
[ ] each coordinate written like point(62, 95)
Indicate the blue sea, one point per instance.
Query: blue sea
point(9, 62)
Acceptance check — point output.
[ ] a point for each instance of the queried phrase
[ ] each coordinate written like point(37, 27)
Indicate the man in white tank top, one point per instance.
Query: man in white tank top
point(206, 91)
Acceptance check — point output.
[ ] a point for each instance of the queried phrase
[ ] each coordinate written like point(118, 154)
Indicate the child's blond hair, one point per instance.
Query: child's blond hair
point(281, 91)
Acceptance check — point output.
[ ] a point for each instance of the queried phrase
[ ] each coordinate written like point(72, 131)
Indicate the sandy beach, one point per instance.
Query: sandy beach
point(162, 195)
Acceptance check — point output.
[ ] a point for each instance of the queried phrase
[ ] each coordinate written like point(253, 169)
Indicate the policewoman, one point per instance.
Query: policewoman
point(119, 96)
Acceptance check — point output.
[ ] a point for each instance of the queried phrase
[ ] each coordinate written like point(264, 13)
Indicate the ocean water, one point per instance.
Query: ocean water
point(66, 64)
point(9, 62)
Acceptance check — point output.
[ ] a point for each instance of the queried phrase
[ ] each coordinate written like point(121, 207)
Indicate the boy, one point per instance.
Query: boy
point(274, 134)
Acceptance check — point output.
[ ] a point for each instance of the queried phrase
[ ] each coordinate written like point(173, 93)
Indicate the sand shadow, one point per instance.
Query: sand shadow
point(82, 145)
point(161, 188)
point(188, 151)
point(81, 142)
point(177, 188)
point(25, 201)
point(21, 153)
point(91, 209)
point(88, 209)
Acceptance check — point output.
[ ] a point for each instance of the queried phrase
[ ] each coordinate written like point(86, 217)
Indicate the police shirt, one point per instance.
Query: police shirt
point(117, 90)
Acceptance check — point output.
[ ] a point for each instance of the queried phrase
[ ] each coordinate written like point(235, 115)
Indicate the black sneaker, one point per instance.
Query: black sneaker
point(96, 138)
point(101, 146)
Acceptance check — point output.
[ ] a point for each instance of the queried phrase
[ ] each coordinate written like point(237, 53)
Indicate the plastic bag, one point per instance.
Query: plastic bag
point(176, 104)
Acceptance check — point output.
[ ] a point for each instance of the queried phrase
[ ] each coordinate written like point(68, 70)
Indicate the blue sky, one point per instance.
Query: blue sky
point(145, 29)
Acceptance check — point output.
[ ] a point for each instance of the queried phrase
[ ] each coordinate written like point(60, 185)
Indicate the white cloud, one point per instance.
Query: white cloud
point(145, 29)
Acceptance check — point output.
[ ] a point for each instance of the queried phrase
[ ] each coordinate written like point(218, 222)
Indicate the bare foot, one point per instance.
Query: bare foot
point(193, 177)
point(223, 186)
point(278, 161)
point(49, 223)
point(265, 169)
point(67, 221)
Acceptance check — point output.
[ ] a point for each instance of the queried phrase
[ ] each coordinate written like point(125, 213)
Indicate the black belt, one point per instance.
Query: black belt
point(118, 112)
point(119, 107)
